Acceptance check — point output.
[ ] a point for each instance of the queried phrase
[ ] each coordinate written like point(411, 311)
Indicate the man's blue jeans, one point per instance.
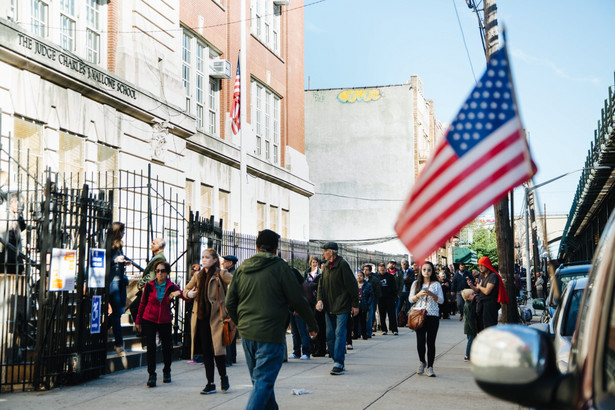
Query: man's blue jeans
point(336, 337)
point(370, 317)
point(264, 362)
point(301, 337)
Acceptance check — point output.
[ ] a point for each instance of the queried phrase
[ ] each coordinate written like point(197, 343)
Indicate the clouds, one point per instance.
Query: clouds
point(554, 68)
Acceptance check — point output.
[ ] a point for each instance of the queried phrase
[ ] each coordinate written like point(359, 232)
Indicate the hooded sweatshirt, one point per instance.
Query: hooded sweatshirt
point(259, 296)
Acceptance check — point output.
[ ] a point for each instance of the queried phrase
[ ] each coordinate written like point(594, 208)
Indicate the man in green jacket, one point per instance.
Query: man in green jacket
point(338, 295)
point(258, 300)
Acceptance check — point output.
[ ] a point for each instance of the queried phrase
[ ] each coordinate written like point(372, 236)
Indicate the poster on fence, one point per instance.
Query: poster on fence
point(96, 268)
point(62, 270)
point(95, 322)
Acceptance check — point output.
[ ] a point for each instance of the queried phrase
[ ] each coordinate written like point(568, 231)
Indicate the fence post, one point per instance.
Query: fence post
point(81, 268)
point(40, 325)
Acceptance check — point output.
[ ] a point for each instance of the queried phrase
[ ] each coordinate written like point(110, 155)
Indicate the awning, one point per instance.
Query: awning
point(464, 255)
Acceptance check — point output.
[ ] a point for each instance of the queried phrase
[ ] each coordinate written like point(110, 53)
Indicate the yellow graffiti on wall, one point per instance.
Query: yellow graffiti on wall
point(350, 96)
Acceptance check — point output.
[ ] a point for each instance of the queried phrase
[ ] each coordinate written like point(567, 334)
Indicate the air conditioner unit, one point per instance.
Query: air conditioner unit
point(220, 68)
point(281, 2)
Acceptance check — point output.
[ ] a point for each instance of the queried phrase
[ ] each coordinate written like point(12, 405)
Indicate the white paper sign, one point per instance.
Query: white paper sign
point(96, 268)
point(62, 271)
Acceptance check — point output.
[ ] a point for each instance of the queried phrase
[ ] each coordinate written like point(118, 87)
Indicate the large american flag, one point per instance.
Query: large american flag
point(482, 156)
point(235, 109)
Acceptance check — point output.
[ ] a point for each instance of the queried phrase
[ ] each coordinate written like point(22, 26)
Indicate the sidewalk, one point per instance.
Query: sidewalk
point(380, 374)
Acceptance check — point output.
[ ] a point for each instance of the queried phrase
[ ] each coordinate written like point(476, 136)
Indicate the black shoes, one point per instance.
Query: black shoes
point(337, 371)
point(151, 382)
point(166, 378)
point(209, 389)
point(225, 384)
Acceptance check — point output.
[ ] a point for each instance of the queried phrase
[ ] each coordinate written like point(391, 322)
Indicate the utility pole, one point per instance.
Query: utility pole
point(503, 226)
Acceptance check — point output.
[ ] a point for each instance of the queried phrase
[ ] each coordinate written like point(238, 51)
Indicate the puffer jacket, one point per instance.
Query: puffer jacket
point(153, 310)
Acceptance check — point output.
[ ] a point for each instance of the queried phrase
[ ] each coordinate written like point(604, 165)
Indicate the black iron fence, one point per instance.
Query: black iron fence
point(47, 333)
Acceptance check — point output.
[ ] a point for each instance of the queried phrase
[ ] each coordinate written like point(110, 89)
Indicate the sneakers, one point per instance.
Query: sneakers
point(305, 357)
point(225, 384)
point(166, 377)
point(193, 362)
point(429, 372)
point(395, 333)
point(349, 347)
point(384, 333)
point(421, 368)
point(293, 356)
point(337, 371)
point(466, 359)
point(151, 381)
point(209, 389)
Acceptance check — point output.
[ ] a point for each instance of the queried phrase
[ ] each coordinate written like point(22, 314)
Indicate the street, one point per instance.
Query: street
point(380, 374)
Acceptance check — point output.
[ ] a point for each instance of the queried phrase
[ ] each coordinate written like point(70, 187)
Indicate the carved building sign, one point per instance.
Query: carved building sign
point(63, 61)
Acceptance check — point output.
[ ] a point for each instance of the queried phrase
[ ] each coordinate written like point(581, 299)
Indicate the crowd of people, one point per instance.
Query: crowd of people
point(326, 307)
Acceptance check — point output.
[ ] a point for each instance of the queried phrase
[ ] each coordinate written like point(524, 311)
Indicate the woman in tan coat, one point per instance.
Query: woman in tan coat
point(208, 289)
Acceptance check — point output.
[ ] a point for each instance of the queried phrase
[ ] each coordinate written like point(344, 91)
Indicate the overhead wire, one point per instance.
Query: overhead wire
point(464, 41)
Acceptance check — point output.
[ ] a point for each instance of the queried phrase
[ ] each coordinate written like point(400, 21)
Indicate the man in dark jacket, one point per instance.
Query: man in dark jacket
point(338, 295)
point(388, 299)
point(371, 278)
point(258, 299)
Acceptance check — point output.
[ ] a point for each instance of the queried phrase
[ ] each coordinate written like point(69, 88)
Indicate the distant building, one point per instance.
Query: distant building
point(365, 147)
point(90, 86)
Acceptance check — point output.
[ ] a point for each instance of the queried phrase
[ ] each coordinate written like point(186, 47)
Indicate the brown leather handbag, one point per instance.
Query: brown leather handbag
point(416, 318)
point(228, 327)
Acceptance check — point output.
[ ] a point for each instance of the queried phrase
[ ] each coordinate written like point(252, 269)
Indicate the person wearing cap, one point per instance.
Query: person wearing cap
point(228, 263)
point(487, 291)
point(338, 295)
point(258, 300)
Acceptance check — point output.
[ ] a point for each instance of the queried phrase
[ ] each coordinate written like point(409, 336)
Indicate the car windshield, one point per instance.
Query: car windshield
point(570, 319)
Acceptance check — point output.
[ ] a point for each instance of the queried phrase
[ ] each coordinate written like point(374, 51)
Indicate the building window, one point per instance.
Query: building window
point(70, 157)
point(285, 223)
point(223, 202)
point(27, 147)
point(92, 32)
point(200, 85)
point(260, 216)
point(273, 218)
point(189, 193)
point(12, 11)
point(186, 60)
point(67, 18)
point(207, 195)
point(202, 98)
point(265, 23)
point(214, 105)
point(267, 113)
point(39, 18)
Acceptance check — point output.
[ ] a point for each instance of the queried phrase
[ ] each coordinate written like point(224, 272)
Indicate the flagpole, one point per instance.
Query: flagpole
point(243, 170)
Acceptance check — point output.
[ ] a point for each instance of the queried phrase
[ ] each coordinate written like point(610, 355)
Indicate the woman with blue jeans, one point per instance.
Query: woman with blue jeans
point(117, 284)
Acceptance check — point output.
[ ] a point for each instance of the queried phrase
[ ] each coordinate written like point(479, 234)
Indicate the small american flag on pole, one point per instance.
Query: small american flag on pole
point(482, 156)
point(235, 109)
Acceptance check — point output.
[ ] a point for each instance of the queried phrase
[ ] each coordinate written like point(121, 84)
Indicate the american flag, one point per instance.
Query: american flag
point(482, 156)
point(235, 109)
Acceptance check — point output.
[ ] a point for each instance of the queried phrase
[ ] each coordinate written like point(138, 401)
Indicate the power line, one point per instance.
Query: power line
point(359, 198)
point(181, 28)
point(464, 40)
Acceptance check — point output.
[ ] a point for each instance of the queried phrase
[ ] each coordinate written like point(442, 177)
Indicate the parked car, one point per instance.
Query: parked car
point(561, 327)
point(563, 274)
point(518, 363)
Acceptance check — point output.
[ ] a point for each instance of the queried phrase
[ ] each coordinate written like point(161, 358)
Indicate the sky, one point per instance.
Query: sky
point(561, 56)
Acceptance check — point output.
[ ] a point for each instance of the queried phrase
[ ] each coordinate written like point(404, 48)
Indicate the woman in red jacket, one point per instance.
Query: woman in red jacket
point(155, 317)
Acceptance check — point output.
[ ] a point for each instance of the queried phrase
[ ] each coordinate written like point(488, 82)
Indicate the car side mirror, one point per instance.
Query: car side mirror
point(517, 364)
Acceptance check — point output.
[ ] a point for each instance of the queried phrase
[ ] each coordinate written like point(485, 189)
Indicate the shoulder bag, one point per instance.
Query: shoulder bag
point(416, 317)
point(228, 327)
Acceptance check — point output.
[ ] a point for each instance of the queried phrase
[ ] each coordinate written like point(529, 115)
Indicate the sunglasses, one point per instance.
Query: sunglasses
point(160, 270)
